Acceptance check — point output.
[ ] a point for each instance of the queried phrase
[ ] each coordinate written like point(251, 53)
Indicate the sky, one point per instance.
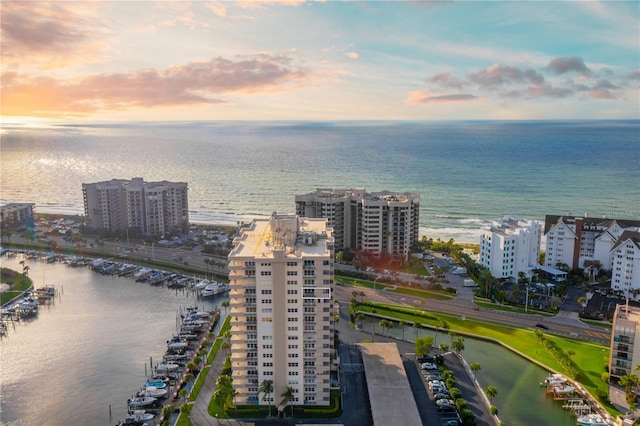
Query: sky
point(111, 61)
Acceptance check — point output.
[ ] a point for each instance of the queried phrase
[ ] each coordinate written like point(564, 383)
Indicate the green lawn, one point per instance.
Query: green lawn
point(19, 283)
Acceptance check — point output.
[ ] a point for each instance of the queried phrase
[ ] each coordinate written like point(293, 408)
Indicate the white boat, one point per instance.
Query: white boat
point(156, 384)
point(139, 416)
point(165, 367)
point(592, 419)
point(141, 401)
point(176, 343)
point(202, 284)
point(555, 379)
point(562, 389)
point(214, 289)
point(153, 392)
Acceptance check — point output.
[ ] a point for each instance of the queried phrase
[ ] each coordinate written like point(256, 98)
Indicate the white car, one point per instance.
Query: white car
point(429, 366)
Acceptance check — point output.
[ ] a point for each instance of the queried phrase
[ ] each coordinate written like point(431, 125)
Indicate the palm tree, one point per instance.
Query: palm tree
point(287, 397)
point(458, 345)
point(629, 382)
point(475, 367)
point(417, 326)
point(452, 334)
point(444, 346)
point(360, 319)
point(401, 324)
point(267, 388)
point(386, 325)
point(439, 325)
point(491, 391)
point(226, 346)
point(225, 305)
point(25, 269)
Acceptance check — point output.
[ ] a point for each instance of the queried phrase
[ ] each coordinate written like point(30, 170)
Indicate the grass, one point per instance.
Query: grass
point(485, 303)
point(19, 284)
point(427, 294)
point(590, 358)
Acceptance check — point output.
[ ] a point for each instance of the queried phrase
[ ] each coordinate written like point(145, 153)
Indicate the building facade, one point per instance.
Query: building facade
point(16, 214)
point(152, 208)
point(625, 337)
point(625, 260)
point(282, 330)
point(380, 222)
point(510, 246)
point(579, 241)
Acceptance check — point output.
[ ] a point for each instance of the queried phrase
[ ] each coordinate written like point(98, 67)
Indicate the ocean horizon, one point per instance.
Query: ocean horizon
point(468, 173)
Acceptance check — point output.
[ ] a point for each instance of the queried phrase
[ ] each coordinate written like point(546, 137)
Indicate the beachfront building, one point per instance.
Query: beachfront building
point(509, 246)
point(625, 337)
point(625, 259)
point(150, 208)
point(281, 279)
point(13, 215)
point(584, 242)
point(379, 222)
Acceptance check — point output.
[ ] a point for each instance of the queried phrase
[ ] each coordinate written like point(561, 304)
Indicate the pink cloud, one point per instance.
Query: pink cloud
point(353, 55)
point(50, 34)
point(190, 84)
point(601, 94)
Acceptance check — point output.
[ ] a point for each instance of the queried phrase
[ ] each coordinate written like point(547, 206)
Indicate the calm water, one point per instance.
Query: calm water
point(468, 173)
point(88, 350)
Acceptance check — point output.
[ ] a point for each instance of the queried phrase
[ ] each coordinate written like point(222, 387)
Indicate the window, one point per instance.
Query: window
point(265, 273)
point(266, 291)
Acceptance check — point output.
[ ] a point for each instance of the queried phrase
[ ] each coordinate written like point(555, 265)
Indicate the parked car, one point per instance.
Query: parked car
point(542, 326)
point(429, 366)
point(441, 395)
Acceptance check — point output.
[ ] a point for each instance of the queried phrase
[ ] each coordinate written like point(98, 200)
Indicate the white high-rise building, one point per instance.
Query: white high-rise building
point(378, 222)
point(152, 208)
point(281, 278)
point(510, 246)
point(625, 259)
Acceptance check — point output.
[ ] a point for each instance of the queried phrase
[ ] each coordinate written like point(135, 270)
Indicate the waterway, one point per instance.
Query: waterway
point(520, 399)
point(84, 355)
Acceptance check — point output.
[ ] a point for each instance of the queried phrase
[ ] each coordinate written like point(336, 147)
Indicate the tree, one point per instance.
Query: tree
point(401, 324)
point(417, 326)
point(287, 397)
point(440, 324)
point(423, 345)
point(444, 346)
point(225, 305)
point(267, 389)
point(452, 334)
point(385, 325)
point(491, 391)
point(475, 367)
point(360, 318)
point(629, 382)
point(362, 294)
point(458, 345)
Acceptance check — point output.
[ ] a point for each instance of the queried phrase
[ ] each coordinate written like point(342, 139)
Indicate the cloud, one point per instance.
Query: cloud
point(189, 84)
point(514, 82)
point(352, 55)
point(50, 34)
point(564, 64)
point(498, 75)
point(423, 97)
point(445, 80)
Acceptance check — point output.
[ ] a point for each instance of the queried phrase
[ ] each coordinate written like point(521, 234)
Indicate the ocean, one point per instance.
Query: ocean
point(468, 173)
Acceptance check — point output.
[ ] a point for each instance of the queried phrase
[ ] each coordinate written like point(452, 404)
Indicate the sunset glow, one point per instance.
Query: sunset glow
point(300, 60)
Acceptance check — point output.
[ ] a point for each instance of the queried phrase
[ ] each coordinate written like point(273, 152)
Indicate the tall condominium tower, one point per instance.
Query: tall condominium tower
point(625, 336)
point(379, 222)
point(510, 246)
point(152, 208)
point(281, 278)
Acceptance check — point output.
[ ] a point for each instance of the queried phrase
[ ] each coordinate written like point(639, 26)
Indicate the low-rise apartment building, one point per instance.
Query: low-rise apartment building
point(510, 246)
point(16, 214)
point(625, 341)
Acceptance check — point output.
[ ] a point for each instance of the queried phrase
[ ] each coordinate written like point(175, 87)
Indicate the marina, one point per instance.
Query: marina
point(97, 346)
